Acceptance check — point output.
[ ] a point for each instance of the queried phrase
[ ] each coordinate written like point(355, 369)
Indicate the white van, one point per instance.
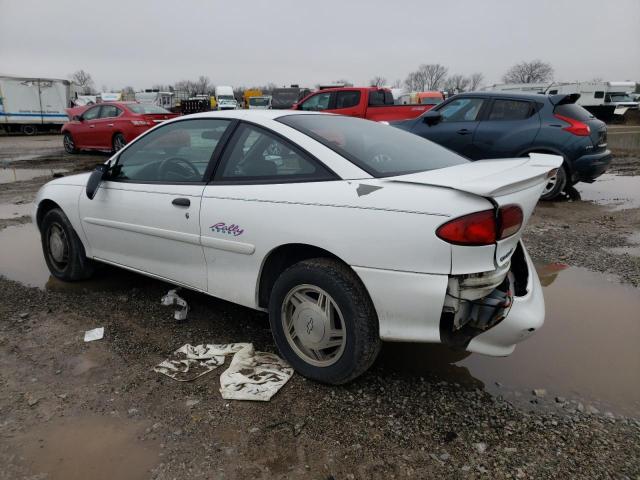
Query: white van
point(225, 99)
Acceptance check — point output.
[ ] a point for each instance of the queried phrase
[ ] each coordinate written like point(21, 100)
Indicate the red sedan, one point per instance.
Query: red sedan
point(111, 125)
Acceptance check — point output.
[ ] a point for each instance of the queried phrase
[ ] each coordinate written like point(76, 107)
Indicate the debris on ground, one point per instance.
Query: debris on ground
point(94, 334)
point(172, 298)
point(251, 375)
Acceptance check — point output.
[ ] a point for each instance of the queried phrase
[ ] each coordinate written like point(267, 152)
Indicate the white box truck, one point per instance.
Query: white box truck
point(29, 105)
point(225, 100)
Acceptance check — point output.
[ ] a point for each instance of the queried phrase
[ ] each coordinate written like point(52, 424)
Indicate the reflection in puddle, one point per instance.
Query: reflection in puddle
point(9, 175)
point(15, 210)
point(21, 259)
point(587, 348)
point(618, 191)
point(90, 448)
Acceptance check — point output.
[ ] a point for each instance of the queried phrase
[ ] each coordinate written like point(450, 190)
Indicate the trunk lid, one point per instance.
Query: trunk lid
point(518, 181)
point(158, 117)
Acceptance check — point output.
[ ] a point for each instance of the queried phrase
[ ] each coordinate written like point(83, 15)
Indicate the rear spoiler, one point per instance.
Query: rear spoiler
point(564, 99)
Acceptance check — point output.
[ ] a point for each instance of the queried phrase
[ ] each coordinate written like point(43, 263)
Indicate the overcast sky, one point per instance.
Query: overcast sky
point(141, 43)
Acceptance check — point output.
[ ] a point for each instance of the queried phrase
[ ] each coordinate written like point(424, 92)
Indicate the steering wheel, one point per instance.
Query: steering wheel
point(179, 169)
point(380, 155)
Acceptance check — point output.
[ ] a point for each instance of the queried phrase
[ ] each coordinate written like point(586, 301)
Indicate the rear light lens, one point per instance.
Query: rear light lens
point(139, 122)
point(482, 228)
point(575, 127)
point(510, 221)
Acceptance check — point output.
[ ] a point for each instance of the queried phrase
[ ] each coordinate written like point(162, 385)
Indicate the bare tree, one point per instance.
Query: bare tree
point(203, 84)
point(397, 84)
point(83, 80)
point(427, 77)
point(378, 81)
point(475, 80)
point(529, 72)
point(456, 83)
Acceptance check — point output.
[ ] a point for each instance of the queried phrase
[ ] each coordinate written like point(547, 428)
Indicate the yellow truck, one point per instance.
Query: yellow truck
point(252, 92)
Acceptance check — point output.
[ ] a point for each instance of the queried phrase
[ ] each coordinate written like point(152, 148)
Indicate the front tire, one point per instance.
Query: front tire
point(62, 248)
point(323, 321)
point(69, 143)
point(118, 142)
point(555, 185)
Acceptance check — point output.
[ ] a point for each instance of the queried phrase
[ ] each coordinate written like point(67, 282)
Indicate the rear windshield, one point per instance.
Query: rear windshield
point(146, 109)
point(380, 150)
point(574, 111)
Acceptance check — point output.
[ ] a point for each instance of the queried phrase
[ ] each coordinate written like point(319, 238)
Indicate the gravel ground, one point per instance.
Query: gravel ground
point(62, 400)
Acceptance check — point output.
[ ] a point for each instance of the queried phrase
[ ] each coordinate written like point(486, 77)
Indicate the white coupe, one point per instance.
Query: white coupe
point(348, 232)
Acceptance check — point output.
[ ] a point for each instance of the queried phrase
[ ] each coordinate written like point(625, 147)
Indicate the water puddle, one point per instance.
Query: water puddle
point(586, 350)
point(83, 448)
point(617, 191)
point(15, 210)
point(21, 259)
point(10, 175)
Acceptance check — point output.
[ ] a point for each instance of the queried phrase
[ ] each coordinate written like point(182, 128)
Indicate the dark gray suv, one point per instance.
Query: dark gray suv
point(483, 125)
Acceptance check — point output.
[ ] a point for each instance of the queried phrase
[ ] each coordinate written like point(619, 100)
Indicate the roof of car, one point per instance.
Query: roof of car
point(248, 114)
point(516, 95)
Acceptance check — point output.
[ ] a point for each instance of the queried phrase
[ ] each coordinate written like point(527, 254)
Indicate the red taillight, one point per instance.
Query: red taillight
point(482, 228)
point(510, 220)
point(475, 229)
point(575, 127)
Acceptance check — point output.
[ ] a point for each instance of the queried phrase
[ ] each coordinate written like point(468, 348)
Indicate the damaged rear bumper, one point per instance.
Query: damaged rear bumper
point(502, 317)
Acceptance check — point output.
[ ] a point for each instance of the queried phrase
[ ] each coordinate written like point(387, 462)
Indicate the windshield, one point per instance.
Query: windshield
point(619, 97)
point(226, 97)
point(259, 101)
point(146, 108)
point(380, 150)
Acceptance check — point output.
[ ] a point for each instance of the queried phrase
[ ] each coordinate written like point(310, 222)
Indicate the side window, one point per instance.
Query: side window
point(109, 111)
point(347, 99)
point(317, 102)
point(176, 152)
point(461, 110)
point(598, 95)
point(510, 110)
point(257, 155)
point(92, 113)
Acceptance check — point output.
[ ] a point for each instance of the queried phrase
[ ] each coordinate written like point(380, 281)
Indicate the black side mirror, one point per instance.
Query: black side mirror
point(431, 117)
point(77, 118)
point(95, 178)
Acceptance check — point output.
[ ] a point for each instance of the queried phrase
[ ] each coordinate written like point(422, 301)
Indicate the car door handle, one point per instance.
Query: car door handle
point(464, 131)
point(181, 202)
point(92, 126)
point(110, 125)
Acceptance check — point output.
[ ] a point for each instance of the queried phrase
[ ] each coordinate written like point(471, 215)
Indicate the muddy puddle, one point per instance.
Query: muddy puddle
point(21, 260)
point(617, 191)
point(15, 210)
point(587, 349)
point(10, 175)
point(87, 448)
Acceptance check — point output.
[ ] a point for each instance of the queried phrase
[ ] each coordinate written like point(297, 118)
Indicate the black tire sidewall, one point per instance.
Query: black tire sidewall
point(113, 142)
point(348, 304)
point(561, 184)
point(74, 149)
point(78, 266)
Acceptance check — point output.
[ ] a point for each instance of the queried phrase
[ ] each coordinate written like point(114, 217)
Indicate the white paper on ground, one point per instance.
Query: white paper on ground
point(251, 376)
point(94, 334)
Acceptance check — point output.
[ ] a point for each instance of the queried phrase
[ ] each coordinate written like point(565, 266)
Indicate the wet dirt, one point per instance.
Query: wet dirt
point(9, 175)
point(87, 448)
point(15, 210)
point(619, 192)
point(586, 312)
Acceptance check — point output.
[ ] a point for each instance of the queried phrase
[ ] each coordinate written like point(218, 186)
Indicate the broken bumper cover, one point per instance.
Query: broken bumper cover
point(524, 318)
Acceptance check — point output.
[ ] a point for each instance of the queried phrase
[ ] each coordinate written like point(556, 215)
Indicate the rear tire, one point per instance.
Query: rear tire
point(62, 248)
point(323, 321)
point(555, 185)
point(118, 142)
point(69, 144)
point(29, 129)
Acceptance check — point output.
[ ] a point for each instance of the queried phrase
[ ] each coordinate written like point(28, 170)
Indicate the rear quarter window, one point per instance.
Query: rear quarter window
point(574, 111)
point(510, 110)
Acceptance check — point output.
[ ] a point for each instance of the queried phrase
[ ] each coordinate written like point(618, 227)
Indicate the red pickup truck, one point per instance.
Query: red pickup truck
point(372, 103)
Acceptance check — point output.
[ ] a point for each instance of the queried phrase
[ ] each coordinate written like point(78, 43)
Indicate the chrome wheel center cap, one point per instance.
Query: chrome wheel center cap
point(56, 245)
point(310, 325)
